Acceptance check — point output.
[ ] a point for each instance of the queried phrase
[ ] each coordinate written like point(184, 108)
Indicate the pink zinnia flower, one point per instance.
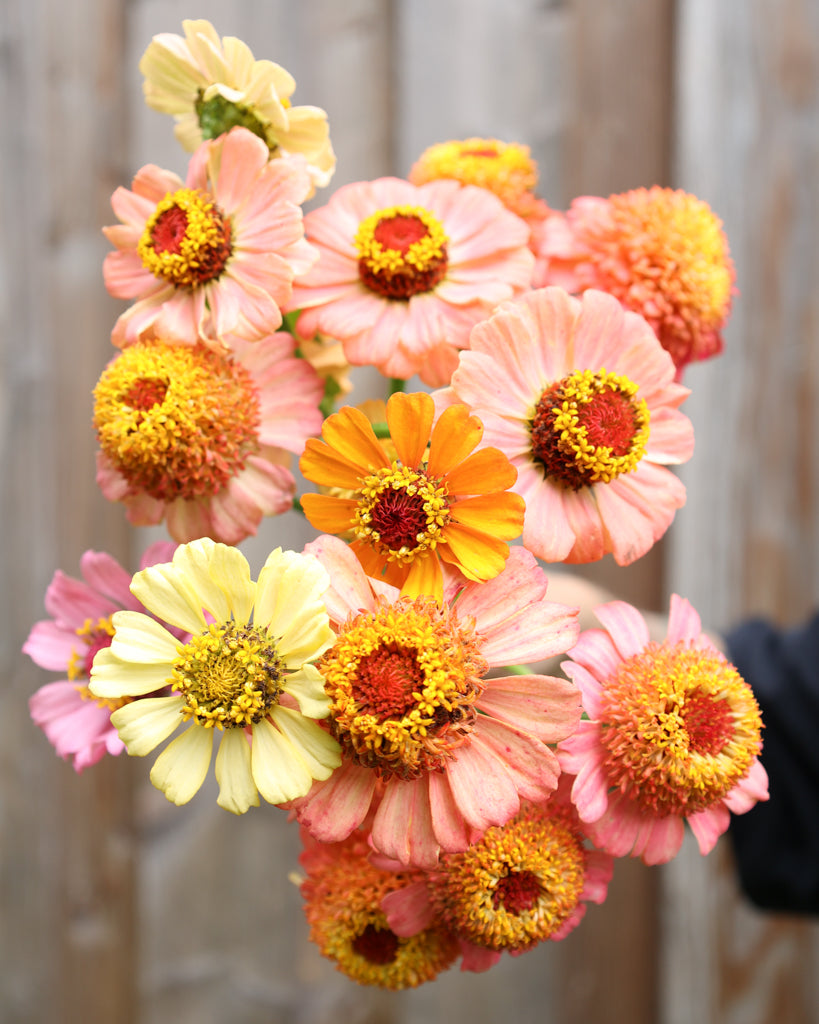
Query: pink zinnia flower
point(661, 251)
point(76, 723)
point(405, 271)
point(199, 437)
point(672, 735)
point(522, 883)
point(215, 255)
point(443, 751)
point(581, 397)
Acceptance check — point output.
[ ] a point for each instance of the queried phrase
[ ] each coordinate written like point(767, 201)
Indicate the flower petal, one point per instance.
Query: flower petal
point(237, 790)
point(144, 724)
point(180, 769)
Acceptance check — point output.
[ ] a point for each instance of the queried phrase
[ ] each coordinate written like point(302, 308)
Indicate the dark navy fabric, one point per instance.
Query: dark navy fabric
point(777, 842)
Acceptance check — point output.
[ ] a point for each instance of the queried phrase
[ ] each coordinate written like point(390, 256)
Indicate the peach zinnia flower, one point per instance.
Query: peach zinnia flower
point(76, 723)
point(244, 674)
point(342, 894)
point(672, 735)
point(211, 256)
point(197, 437)
point(663, 253)
point(439, 751)
point(404, 272)
point(448, 503)
point(211, 85)
point(581, 397)
point(522, 883)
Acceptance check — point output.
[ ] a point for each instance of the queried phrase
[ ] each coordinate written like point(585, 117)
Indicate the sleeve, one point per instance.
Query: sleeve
point(777, 842)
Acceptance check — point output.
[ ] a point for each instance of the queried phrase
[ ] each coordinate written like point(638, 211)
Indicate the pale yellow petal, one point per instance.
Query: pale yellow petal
point(278, 770)
point(321, 753)
point(111, 677)
point(141, 639)
point(180, 769)
point(144, 724)
point(289, 605)
point(169, 596)
point(237, 790)
point(307, 686)
point(220, 576)
point(230, 570)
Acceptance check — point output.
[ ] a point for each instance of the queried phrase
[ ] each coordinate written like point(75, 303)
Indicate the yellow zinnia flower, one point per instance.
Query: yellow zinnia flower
point(211, 85)
point(245, 672)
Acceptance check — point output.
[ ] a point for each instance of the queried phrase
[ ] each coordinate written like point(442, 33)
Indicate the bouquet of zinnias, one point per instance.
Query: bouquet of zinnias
point(386, 684)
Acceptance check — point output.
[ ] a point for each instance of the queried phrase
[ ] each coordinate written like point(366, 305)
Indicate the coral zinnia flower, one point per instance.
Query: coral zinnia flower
point(404, 272)
point(244, 672)
point(520, 884)
point(438, 750)
point(211, 85)
point(449, 503)
point(581, 397)
point(212, 256)
point(77, 724)
point(342, 902)
point(673, 735)
point(196, 436)
point(663, 253)
point(505, 168)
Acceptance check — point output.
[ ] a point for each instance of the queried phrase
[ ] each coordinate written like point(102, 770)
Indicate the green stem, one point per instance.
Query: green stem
point(297, 507)
point(397, 384)
point(381, 429)
point(518, 670)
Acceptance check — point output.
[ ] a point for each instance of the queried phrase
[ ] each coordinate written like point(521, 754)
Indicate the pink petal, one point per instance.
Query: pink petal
point(332, 809)
point(750, 789)
point(402, 827)
point(531, 765)
point(482, 789)
point(51, 646)
point(451, 831)
point(626, 627)
point(543, 706)
point(708, 826)
point(104, 573)
point(683, 621)
point(409, 910)
point(350, 591)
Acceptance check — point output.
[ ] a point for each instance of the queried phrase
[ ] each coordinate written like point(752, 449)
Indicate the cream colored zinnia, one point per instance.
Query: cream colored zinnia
point(211, 85)
point(245, 672)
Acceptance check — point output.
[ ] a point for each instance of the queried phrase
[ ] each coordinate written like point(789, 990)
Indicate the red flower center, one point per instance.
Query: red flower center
point(480, 152)
point(169, 230)
point(709, 723)
point(386, 680)
point(377, 945)
point(402, 251)
point(187, 240)
point(589, 427)
point(145, 393)
point(516, 892)
point(400, 232)
point(398, 518)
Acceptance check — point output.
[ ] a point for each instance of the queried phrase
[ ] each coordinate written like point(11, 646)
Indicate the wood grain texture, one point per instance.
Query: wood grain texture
point(747, 541)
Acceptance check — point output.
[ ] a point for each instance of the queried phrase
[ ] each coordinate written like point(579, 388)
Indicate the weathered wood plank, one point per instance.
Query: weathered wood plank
point(748, 541)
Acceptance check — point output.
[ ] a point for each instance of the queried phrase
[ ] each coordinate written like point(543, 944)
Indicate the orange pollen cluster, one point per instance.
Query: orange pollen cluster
point(517, 885)
point(187, 239)
point(176, 421)
point(402, 252)
point(680, 726)
point(343, 894)
point(403, 682)
point(589, 428)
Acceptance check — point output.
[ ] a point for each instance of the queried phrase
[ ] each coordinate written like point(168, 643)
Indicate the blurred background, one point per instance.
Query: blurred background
point(116, 906)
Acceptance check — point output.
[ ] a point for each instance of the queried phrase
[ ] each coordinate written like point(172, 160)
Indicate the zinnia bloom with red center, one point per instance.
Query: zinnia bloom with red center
point(404, 272)
point(215, 255)
point(342, 902)
point(522, 883)
point(581, 397)
point(198, 437)
point(76, 723)
point(672, 735)
point(448, 503)
point(439, 751)
point(663, 253)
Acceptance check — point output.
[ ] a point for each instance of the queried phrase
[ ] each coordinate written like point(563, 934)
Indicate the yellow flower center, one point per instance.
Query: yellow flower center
point(403, 682)
point(186, 239)
point(95, 634)
point(681, 728)
point(402, 251)
point(517, 885)
point(401, 512)
point(177, 422)
point(230, 675)
point(507, 169)
point(343, 907)
point(590, 427)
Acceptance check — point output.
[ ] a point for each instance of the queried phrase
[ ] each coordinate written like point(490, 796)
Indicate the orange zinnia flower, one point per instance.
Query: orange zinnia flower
point(447, 503)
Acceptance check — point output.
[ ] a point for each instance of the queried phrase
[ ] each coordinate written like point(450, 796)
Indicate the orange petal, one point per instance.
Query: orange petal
point(322, 465)
point(410, 421)
point(455, 435)
point(500, 515)
point(329, 514)
point(350, 433)
point(375, 565)
point(424, 578)
point(478, 556)
point(485, 471)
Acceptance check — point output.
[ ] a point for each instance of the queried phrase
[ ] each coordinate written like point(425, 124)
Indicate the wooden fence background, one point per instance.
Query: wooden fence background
point(116, 906)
